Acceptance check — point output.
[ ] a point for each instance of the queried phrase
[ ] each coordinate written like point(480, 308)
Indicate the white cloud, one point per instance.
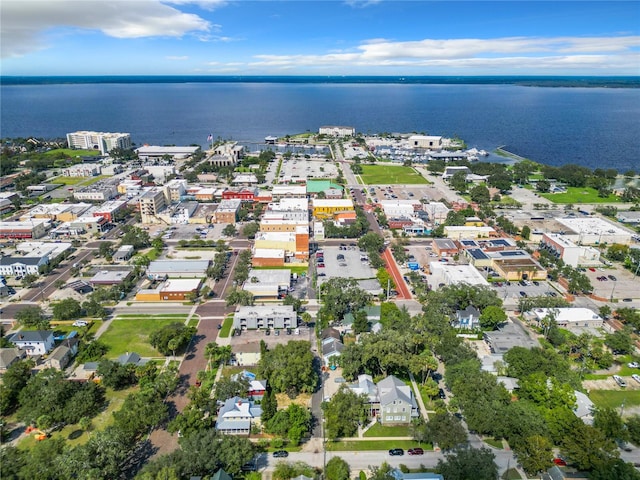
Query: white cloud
point(25, 22)
point(177, 58)
point(516, 53)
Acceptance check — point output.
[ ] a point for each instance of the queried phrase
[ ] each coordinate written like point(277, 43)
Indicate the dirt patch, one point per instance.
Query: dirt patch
point(304, 400)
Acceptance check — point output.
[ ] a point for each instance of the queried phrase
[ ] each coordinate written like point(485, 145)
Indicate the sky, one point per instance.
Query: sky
point(330, 37)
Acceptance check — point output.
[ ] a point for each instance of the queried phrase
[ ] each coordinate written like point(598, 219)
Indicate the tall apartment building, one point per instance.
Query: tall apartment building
point(103, 141)
point(174, 189)
point(151, 202)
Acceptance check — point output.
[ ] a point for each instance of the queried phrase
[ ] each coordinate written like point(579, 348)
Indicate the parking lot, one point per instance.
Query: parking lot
point(255, 336)
point(512, 291)
point(348, 265)
point(189, 232)
point(624, 286)
point(302, 169)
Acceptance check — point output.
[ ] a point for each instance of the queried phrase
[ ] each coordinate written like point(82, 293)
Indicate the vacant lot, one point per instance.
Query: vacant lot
point(69, 152)
point(132, 335)
point(390, 175)
point(615, 398)
point(578, 195)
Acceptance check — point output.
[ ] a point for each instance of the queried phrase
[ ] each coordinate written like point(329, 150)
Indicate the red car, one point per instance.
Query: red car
point(415, 451)
point(560, 462)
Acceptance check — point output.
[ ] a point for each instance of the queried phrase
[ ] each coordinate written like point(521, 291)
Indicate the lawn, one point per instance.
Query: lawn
point(379, 430)
point(139, 316)
point(493, 442)
point(577, 195)
point(367, 445)
point(67, 180)
point(226, 327)
point(69, 152)
point(132, 335)
point(615, 398)
point(390, 175)
point(115, 400)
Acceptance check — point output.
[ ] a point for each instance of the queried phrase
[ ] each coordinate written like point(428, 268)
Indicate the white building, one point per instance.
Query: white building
point(569, 252)
point(265, 316)
point(155, 152)
point(594, 231)
point(96, 193)
point(82, 170)
point(34, 342)
point(288, 191)
point(425, 141)
point(458, 232)
point(399, 208)
point(571, 317)
point(103, 141)
point(443, 273)
point(437, 211)
point(451, 171)
point(337, 131)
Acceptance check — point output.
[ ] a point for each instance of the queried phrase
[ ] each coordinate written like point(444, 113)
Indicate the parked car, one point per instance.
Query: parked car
point(280, 454)
point(612, 278)
point(396, 452)
point(633, 365)
point(523, 294)
point(560, 462)
point(441, 394)
point(80, 323)
point(619, 380)
point(415, 451)
point(636, 377)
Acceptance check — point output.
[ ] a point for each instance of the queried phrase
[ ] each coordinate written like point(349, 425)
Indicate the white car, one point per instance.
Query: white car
point(633, 365)
point(636, 377)
point(80, 323)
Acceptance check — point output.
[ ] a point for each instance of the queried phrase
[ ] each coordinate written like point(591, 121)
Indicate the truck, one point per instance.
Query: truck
point(413, 266)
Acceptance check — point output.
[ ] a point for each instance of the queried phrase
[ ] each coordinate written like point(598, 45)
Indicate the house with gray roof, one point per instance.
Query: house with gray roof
point(62, 355)
point(177, 269)
point(9, 356)
point(130, 358)
point(20, 266)
point(236, 415)
point(33, 342)
point(584, 408)
point(469, 318)
point(397, 402)
point(331, 347)
point(398, 474)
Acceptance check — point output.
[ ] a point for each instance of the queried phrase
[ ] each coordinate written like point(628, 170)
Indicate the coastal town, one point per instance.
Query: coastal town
point(330, 305)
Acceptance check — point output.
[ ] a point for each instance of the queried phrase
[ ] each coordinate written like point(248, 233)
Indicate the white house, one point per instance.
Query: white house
point(34, 342)
point(236, 416)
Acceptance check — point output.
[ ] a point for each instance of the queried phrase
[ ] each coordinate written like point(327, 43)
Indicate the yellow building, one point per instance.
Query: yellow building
point(518, 269)
point(327, 208)
point(276, 241)
point(282, 225)
point(473, 222)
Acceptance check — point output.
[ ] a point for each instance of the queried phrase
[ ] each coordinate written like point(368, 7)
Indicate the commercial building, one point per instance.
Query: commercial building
point(442, 273)
point(425, 141)
point(314, 187)
point(451, 171)
point(20, 266)
point(268, 284)
point(244, 194)
point(35, 228)
point(400, 208)
point(444, 247)
point(594, 231)
point(174, 190)
point(227, 211)
point(570, 253)
point(227, 154)
point(288, 191)
point(277, 225)
point(155, 152)
point(57, 212)
point(177, 269)
point(460, 232)
point(267, 257)
point(151, 203)
point(436, 211)
point(81, 170)
point(265, 316)
point(111, 276)
point(103, 141)
point(123, 253)
point(96, 193)
point(109, 209)
point(174, 290)
point(516, 265)
point(88, 224)
point(570, 317)
point(325, 208)
point(632, 218)
point(337, 131)
point(245, 179)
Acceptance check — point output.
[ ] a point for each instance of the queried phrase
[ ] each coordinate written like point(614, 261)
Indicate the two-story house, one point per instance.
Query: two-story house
point(34, 342)
point(236, 415)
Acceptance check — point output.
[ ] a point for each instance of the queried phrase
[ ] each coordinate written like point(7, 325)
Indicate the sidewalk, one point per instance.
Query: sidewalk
point(416, 392)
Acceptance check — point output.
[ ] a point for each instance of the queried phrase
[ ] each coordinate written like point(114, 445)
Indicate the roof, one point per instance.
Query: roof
point(332, 202)
point(11, 260)
point(372, 311)
point(59, 352)
point(468, 312)
point(568, 314)
point(39, 336)
point(8, 356)
point(332, 346)
point(268, 253)
point(330, 332)
point(392, 388)
point(262, 310)
point(445, 244)
point(129, 357)
point(178, 266)
point(584, 406)
point(269, 276)
point(316, 186)
point(365, 386)
point(221, 475)
point(107, 276)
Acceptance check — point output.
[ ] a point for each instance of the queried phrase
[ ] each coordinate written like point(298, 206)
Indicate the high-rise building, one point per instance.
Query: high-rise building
point(103, 141)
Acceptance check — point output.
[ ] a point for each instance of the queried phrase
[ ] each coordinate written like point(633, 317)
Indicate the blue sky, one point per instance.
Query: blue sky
point(332, 37)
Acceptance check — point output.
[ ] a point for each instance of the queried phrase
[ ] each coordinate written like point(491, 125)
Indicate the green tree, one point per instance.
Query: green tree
point(289, 368)
point(337, 469)
point(615, 469)
point(230, 387)
point(269, 405)
point(240, 297)
point(588, 448)
point(619, 341)
point(135, 236)
point(469, 463)
point(105, 249)
point(171, 338)
point(360, 322)
point(492, 316)
point(116, 376)
point(371, 242)
point(287, 471)
point(480, 194)
point(525, 232)
point(344, 413)
point(67, 309)
point(93, 308)
point(32, 316)
point(446, 430)
point(458, 181)
point(536, 454)
point(633, 427)
point(250, 230)
point(610, 423)
point(229, 230)
point(13, 381)
point(29, 279)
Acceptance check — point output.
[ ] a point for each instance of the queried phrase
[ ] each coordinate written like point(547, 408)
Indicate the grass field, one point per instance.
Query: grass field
point(68, 180)
point(368, 445)
point(226, 327)
point(69, 152)
point(615, 398)
point(379, 430)
point(71, 433)
point(390, 175)
point(577, 195)
point(132, 335)
point(493, 442)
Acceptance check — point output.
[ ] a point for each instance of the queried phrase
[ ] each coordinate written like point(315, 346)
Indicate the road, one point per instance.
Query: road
point(363, 460)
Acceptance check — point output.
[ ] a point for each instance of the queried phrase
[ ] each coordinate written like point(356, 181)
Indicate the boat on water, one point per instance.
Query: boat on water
point(484, 153)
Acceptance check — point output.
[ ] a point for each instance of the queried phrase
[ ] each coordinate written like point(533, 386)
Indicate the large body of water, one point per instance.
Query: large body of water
point(594, 127)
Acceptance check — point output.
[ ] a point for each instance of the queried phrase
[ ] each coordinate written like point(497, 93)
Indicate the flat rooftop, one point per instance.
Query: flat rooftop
point(591, 225)
point(271, 276)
